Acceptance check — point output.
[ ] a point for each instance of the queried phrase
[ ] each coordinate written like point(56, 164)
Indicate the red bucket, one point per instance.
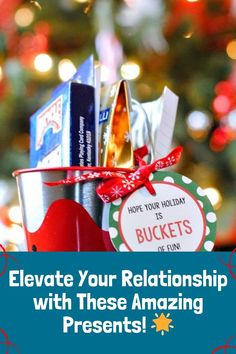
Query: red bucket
point(63, 217)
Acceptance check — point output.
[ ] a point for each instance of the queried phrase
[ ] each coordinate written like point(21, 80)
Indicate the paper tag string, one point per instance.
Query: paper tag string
point(118, 184)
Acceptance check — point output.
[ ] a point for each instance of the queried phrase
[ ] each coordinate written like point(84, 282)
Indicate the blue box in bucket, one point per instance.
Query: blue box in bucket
point(63, 131)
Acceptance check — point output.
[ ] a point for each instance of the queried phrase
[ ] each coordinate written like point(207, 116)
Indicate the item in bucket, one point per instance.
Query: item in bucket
point(62, 132)
point(152, 124)
point(88, 73)
point(114, 126)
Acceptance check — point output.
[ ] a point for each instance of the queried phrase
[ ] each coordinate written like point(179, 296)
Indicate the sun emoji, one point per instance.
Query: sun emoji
point(162, 323)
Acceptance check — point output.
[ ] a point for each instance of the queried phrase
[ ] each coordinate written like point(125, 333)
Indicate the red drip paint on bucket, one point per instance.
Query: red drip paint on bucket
point(67, 226)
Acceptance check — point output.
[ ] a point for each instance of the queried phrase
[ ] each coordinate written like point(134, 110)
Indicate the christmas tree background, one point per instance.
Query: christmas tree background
point(188, 45)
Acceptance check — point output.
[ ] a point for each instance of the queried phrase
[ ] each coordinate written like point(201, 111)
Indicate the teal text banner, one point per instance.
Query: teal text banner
point(117, 303)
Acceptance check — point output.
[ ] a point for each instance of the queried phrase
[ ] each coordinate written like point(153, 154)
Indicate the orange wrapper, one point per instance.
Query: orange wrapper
point(115, 132)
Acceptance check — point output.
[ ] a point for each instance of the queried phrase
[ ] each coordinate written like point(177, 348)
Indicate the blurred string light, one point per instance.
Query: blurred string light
point(66, 69)
point(1, 73)
point(24, 16)
point(130, 70)
point(198, 123)
point(231, 119)
point(192, 0)
point(43, 62)
point(214, 196)
point(81, 1)
point(14, 214)
point(220, 138)
point(231, 49)
point(224, 88)
point(221, 104)
point(198, 120)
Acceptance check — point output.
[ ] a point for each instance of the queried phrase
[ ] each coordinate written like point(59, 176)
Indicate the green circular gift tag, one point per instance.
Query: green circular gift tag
point(179, 217)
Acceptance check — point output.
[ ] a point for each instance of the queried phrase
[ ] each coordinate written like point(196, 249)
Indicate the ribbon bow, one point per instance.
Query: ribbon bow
point(119, 184)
